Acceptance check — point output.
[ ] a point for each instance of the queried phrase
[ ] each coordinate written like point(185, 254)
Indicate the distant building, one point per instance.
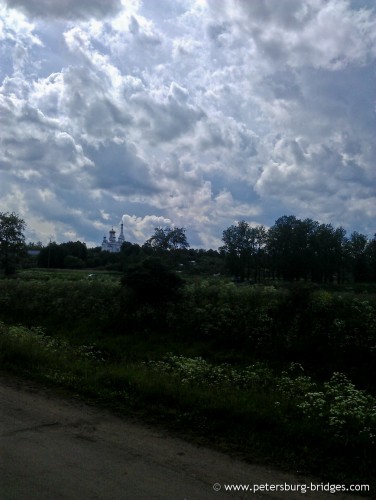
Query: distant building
point(112, 244)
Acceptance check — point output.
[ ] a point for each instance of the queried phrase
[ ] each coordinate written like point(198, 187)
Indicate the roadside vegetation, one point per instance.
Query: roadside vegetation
point(281, 374)
point(269, 362)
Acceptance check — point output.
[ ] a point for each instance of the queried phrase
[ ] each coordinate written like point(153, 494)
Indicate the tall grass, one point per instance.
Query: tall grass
point(327, 428)
point(266, 370)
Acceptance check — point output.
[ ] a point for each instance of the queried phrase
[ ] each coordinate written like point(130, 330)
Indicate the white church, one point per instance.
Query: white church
point(112, 244)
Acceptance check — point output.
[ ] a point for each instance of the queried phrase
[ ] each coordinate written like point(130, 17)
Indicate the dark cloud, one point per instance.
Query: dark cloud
point(67, 9)
point(362, 4)
point(215, 31)
point(148, 38)
point(120, 170)
point(166, 119)
point(283, 85)
point(289, 14)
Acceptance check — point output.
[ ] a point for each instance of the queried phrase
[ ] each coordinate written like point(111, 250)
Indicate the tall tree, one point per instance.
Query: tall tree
point(54, 255)
point(168, 238)
point(329, 251)
point(243, 248)
point(236, 248)
point(152, 282)
point(282, 240)
point(371, 259)
point(12, 241)
point(357, 250)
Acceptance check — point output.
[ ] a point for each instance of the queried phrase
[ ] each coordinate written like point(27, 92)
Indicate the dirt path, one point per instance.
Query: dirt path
point(54, 448)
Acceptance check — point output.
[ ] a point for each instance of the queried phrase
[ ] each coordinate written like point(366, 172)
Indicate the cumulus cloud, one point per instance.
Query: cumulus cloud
point(318, 33)
point(163, 116)
point(199, 113)
point(139, 229)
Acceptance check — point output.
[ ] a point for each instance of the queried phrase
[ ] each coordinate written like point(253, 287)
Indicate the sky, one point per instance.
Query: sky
point(191, 113)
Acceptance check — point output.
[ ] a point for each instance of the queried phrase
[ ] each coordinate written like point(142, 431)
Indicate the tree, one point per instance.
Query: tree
point(357, 251)
point(328, 246)
point(152, 282)
point(258, 241)
point(305, 249)
point(243, 247)
point(34, 246)
point(168, 238)
point(236, 247)
point(12, 241)
point(54, 255)
point(51, 256)
point(130, 254)
point(285, 240)
point(371, 259)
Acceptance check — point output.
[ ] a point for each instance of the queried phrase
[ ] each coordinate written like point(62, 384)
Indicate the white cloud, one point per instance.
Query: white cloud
point(139, 229)
point(200, 113)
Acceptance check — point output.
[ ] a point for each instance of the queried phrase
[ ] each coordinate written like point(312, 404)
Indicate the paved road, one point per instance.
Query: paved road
point(55, 448)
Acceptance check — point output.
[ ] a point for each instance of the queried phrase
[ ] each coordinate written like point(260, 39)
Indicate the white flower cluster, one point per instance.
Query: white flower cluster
point(343, 408)
point(200, 371)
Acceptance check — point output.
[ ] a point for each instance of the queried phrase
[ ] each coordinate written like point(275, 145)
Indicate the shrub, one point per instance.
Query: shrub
point(349, 413)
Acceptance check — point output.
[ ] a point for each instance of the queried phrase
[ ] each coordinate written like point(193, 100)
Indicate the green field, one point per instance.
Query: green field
point(282, 373)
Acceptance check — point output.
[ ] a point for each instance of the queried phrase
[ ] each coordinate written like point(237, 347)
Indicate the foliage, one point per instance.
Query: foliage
point(131, 254)
point(294, 249)
point(294, 364)
point(357, 253)
point(152, 282)
point(234, 317)
point(264, 334)
point(168, 238)
point(290, 250)
point(324, 330)
point(199, 371)
point(348, 413)
point(244, 248)
point(12, 241)
point(36, 336)
point(83, 305)
point(71, 255)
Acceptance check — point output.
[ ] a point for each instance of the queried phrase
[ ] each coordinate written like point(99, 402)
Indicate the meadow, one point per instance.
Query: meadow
point(280, 373)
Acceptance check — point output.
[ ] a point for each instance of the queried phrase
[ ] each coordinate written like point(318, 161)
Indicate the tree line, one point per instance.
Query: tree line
point(291, 250)
point(294, 249)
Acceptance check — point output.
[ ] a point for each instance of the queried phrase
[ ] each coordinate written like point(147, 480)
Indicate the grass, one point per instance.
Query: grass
point(216, 368)
point(41, 274)
point(251, 410)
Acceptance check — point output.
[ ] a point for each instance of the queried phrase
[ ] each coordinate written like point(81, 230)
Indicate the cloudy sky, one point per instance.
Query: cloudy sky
point(195, 113)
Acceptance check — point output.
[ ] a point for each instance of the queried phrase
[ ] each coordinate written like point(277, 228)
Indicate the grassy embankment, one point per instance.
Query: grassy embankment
point(262, 370)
